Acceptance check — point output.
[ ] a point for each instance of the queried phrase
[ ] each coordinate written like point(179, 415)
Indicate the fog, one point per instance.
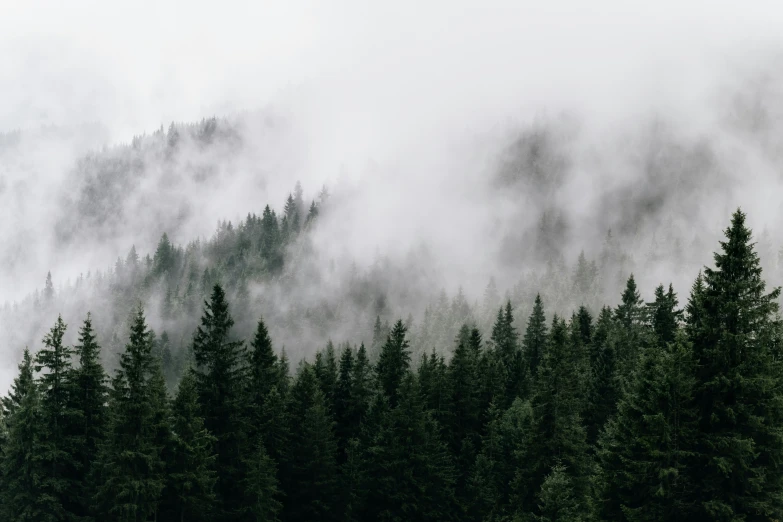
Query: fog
point(651, 119)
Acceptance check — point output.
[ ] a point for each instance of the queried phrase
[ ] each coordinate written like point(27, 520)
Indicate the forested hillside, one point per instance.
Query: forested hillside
point(661, 410)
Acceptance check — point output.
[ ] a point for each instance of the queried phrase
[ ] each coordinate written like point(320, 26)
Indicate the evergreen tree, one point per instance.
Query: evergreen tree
point(603, 389)
point(393, 363)
point(558, 435)
point(646, 453)
point(410, 474)
point(260, 488)
point(191, 475)
point(130, 463)
point(220, 381)
point(263, 373)
point(88, 400)
point(57, 418)
point(325, 368)
point(311, 469)
point(534, 341)
point(664, 315)
point(21, 494)
point(346, 426)
point(506, 347)
point(557, 501)
point(499, 464)
point(20, 386)
point(738, 388)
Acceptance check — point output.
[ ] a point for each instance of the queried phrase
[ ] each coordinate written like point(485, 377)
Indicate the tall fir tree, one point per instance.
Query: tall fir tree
point(261, 489)
point(738, 390)
point(534, 341)
point(393, 363)
point(410, 473)
point(191, 473)
point(129, 472)
point(58, 417)
point(310, 478)
point(88, 400)
point(220, 381)
point(646, 453)
point(558, 435)
point(505, 341)
point(263, 376)
point(21, 492)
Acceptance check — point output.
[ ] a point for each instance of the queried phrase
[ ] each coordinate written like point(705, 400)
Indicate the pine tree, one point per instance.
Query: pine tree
point(263, 373)
point(732, 327)
point(499, 464)
point(325, 368)
point(191, 475)
point(275, 430)
point(603, 389)
point(220, 381)
point(558, 435)
point(646, 453)
point(260, 488)
point(21, 493)
point(393, 363)
point(464, 380)
point(57, 421)
point(664, 315)
point(346, 426)
point(557, 501)
point(506, 347)
point(310, 480)
point(534, 341)
point(88, 399)
point(410, 475)
point(20, 386)
point(130, 463)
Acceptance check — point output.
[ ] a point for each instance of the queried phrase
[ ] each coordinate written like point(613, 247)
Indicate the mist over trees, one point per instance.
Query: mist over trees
point(668, 409)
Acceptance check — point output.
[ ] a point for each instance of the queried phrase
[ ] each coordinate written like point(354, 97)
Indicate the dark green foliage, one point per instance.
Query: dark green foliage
point(220, 381)
point(410, 474)
point(130, 470)
point(534, 341)
point(260, 488)
point(325, 368)
point(393, 363)
point(558, 435)
point(21, 385)
point(310, 474)
point(732, 324)
point(89, 393)
point(263, 375)
point(191, 473)
point(647, 451)
point(664, 315)
point(57, 417)
point(499, 465)
point(22, 496)
point(557, 501)
point(506, 348)
point(603, 389)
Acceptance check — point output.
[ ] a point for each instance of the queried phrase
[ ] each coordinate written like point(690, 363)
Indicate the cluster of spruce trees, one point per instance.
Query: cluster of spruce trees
point(647, 412)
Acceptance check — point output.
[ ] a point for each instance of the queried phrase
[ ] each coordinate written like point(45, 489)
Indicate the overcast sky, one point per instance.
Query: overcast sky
point(133, 65)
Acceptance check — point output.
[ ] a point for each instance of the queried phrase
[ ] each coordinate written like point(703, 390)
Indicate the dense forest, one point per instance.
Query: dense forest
point(656, 410)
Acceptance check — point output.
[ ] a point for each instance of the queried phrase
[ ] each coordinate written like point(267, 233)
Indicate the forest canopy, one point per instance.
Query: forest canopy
point(655, 410)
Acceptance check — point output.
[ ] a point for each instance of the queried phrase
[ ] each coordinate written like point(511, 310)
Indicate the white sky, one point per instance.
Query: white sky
point(133, 65)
